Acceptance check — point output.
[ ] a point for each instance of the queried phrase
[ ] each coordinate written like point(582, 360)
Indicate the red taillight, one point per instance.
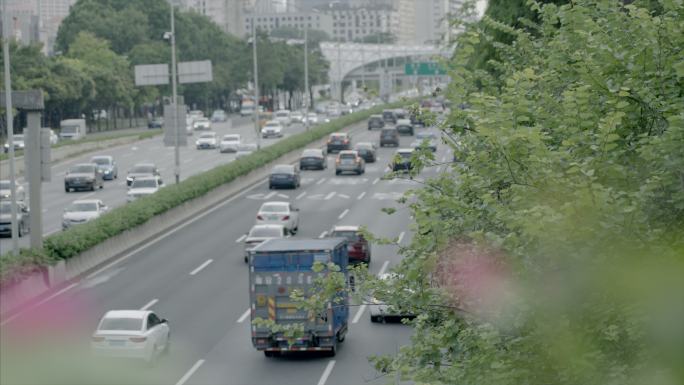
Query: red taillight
point(346, 141)
point(97, 339)
point(358, 160)
point(337, 160)
point(259, 217)
point(138, 339)
point(286, 217)
point(329, 140)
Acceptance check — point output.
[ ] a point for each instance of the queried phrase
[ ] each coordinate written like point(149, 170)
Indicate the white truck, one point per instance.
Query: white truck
point(72, 129)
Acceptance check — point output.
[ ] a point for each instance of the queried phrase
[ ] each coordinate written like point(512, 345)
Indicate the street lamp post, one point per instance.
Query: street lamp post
point(10, 132)
point(174, 97)
point(306, 73)
point(256, 79)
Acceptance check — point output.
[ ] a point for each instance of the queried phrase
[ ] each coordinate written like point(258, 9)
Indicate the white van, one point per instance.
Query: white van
point(72, 129)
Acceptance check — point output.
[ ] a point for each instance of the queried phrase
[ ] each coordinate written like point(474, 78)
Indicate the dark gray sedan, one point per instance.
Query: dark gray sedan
point(313, 159)
point(23, 222)
point(83, 176)
point(284, 176)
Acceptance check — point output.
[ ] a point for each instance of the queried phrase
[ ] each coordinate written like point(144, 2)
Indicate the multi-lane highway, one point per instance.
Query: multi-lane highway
point(193, 161)
point(195, 277)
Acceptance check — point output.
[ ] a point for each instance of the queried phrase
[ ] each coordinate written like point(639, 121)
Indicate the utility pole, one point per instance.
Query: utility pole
point(257, 129)
point(174, 97)
point(306, 72)
point(10, 130)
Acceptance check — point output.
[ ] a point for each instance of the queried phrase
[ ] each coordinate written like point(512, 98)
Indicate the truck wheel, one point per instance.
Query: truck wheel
point(246, 259)
point(269, 353)
point(341, 337)
point(332, 351)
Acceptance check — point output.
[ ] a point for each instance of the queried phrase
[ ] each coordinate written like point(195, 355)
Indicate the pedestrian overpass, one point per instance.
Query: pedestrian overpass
point(357, 62)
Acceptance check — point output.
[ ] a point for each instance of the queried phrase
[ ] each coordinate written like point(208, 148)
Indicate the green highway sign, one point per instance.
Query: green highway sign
point(425, 69)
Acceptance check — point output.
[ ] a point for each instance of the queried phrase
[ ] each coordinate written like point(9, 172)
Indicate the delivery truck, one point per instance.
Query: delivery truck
point(278, 266)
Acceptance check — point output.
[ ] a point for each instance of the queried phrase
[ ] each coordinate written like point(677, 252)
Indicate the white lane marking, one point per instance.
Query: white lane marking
point(270, 195)
point(345, 212)
point(242, 238)
point(383, 268)
point(300, 196)
point(361, 195)
point(244, 316)
point(357, 317)
point(149, 304)
point(343, 196)
point(8, 320)
point(283, 196)
point(326, 372)
point(139, 249)
point(329, 196)
point(321, 181)
point(190, 372)
point(202, 266)
point(401, 236)
point(323, 234)
point(376, 180)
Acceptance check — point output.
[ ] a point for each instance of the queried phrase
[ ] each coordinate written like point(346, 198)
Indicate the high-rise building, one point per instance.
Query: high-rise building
point(227, 14)
point(37, 20)
point(270, 21)
point(352, 22)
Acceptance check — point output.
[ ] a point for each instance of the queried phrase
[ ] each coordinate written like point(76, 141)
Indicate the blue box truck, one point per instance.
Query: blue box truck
point(278, 266)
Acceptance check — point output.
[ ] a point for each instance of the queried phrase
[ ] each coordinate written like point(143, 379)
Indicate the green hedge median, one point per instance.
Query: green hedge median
point(67, 244)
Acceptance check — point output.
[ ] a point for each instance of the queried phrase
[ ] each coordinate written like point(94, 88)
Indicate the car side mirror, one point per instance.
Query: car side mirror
point(164, 321)
point(161, 182)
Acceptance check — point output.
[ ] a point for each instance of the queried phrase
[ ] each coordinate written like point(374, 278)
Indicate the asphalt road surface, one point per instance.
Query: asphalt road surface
point(193, 161)
point(195, 277)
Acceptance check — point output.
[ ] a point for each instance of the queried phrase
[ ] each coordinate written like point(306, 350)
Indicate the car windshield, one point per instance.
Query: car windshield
point(351, 236)
point(143, 169)
point(272, 124)
point(19, 138)
point(425, 135)
point(337, 137)
point(101, 161)
point(207, 136)
point(347, 156)
point(4, 185)
point(266, 232)
point(405, 155)
point(272, 208)
point(81, 207)
point(389, 132)
point(84, 168)
point(363, 146)
point(231, 138)
point(282, 169)
point(6, 207)
point(121, 324)
point(69, 129)
point(312, 153)
point(144, 183)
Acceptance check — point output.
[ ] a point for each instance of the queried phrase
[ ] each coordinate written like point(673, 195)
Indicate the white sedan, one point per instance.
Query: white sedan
point(272, 128)
point(260, 233)
point(207, 140)
point(279, 213)
point(230, 143)
point(142, 187)
point(82, 211)
point(139, 334)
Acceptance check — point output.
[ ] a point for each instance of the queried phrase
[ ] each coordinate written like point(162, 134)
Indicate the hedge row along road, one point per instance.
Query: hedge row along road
point(207, 176)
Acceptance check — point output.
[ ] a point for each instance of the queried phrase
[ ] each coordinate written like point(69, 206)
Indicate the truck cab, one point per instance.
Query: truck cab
point(72, 129)
point(279, 266)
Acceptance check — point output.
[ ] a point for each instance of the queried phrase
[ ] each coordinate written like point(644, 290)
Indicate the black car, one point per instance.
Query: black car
point(375, 121)
point(339, 141)
point(156, 123)
point(389, 137)
point(284, 175)
point(404, 127)
point(389, 116)
point(402, 160)
point(417, 119)
point(366, 151)
point(23, 222)
point(313, 158)
point(83, 176)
